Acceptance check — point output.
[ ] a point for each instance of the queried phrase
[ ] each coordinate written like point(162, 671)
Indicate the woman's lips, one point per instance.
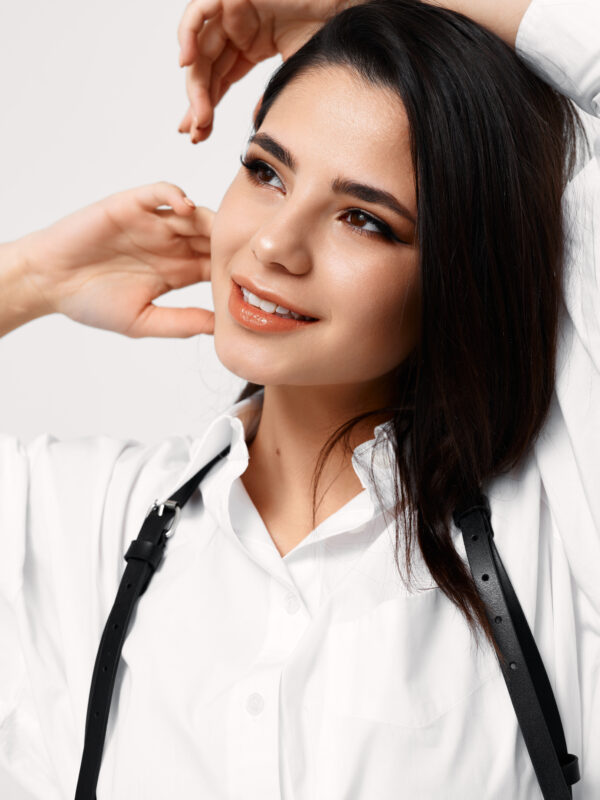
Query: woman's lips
point(255, 319)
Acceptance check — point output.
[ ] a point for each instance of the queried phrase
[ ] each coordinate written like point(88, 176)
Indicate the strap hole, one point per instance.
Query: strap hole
point(104, 668)
point(485, 577)
point(513, 665)
point(129, 585)
point(96, 714)
point(474, 537)
point(116, 626)
point(498, 619)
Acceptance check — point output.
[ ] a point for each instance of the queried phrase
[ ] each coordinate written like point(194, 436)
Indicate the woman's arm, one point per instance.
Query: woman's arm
point(558, 41)
point(502, 18)
point(21, 302)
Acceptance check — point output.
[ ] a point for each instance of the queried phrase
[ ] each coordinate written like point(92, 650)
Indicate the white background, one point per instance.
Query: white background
point(91, 95)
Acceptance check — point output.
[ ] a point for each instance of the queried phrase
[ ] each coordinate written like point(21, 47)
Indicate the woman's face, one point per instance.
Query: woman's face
point(302, 230)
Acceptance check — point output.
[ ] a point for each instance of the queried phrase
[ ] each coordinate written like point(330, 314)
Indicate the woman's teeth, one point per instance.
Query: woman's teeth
point(270, 307)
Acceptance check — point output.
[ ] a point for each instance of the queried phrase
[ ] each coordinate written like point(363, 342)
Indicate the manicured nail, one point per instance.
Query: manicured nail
point(190, 203)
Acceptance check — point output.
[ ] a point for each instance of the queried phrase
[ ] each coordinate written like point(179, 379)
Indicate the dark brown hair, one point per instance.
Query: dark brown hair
point(493, 147)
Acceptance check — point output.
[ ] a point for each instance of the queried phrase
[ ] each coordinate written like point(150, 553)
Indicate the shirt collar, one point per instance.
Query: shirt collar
point(239, 423)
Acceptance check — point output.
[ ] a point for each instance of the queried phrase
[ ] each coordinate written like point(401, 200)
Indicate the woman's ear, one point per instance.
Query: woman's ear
point(256, 109)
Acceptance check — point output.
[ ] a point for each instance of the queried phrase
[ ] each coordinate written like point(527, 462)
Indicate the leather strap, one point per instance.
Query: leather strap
point(143, 557)
point(521, 664)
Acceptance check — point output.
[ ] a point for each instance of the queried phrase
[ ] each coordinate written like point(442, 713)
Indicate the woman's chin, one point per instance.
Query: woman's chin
point(245, 364)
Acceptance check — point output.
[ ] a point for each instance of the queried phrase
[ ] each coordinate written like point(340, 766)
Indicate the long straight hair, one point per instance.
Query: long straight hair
point(493, 147)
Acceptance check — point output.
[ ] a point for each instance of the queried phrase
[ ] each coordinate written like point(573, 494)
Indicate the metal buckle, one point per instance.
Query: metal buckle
point(170, 504)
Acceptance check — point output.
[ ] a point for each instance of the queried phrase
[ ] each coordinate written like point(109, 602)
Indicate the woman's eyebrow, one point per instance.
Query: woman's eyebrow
point(277, 150)
point(362, 191)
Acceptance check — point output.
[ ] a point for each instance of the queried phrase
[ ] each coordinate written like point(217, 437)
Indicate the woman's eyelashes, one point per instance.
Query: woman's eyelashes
point(381, 229)
point(260, 173)
point(255, 167)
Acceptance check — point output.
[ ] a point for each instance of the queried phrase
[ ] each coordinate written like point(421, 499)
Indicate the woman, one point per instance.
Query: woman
point(310, 632)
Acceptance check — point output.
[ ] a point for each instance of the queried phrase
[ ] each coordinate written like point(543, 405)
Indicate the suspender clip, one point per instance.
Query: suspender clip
point(170, 529)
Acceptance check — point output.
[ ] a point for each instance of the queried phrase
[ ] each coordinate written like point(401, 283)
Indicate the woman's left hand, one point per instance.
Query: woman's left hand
point(105, 264)
point(221, 40)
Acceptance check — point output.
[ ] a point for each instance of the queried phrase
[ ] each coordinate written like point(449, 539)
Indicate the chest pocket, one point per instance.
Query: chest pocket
point(407, 662)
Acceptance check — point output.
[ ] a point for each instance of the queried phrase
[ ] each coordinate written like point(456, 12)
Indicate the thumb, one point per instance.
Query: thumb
point(179, 323)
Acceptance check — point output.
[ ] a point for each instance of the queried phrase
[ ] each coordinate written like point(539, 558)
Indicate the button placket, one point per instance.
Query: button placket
point(255, 704)
point(292, 603)
point(253, 726)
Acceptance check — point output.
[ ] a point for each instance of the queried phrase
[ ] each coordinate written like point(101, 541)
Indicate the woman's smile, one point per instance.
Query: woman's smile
point(260, 314)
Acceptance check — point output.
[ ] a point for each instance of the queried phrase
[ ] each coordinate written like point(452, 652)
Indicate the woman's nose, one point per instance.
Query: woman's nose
point(283, 241)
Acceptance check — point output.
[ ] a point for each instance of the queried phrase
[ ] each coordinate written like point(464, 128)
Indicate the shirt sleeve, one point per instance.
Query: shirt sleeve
point(560, 41)
point(68, 510)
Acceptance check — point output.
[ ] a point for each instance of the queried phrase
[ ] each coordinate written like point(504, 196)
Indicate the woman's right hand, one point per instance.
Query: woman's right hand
point(221, 40)
point(104, 264)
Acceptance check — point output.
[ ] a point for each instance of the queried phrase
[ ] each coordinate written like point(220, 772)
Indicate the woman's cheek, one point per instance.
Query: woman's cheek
point(390, 320)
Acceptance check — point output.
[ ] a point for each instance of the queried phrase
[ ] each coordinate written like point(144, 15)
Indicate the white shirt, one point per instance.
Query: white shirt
point(317, 676)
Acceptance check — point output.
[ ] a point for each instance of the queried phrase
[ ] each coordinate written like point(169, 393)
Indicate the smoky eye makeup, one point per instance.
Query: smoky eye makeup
point(256, 167)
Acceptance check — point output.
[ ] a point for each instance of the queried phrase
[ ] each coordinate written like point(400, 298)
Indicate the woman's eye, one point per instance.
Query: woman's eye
point(259, 172)
point(360, 220)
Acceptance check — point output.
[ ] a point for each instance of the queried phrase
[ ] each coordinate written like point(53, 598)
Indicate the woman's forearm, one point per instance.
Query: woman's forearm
point(502, 18)
point(19, 301)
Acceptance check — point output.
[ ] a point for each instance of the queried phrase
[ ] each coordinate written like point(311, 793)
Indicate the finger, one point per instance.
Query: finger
point(192, 21)
point(185, 126)
point(198, 223)
point(186, 123)
point(163, 193)
point(188, 232)
point(263, 46)
point(202, 133)
point(212, 41)
point(164, 322)
point(197, 81)
point(189, 269)
point(217, 80)
point(241, 24)
point(224, 63)
point(240, 68)
point(200, 244)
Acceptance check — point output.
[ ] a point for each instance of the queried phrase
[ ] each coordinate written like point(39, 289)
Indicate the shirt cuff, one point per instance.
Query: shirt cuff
point(560, 41)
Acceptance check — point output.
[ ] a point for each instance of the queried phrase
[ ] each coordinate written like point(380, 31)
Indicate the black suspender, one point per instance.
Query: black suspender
point(522, 667)
point(143, 557)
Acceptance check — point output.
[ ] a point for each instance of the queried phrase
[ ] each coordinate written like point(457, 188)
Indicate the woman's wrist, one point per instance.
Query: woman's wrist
point(21, 301)
point(502, 18)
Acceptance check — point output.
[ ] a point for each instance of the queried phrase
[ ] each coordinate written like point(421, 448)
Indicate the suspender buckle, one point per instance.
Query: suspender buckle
point(170, 529)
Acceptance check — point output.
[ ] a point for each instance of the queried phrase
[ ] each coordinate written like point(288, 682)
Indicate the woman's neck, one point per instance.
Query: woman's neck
point(295, 423)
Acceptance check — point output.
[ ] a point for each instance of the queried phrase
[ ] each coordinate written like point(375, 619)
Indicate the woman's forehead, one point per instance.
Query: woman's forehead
point(342, 100)
point(332, 119)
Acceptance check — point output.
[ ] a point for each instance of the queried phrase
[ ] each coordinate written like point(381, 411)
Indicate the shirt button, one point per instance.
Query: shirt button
point(292, 604)
point(255, 704)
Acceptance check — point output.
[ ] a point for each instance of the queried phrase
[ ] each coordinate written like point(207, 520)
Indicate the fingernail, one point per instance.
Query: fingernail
point(190, 203)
